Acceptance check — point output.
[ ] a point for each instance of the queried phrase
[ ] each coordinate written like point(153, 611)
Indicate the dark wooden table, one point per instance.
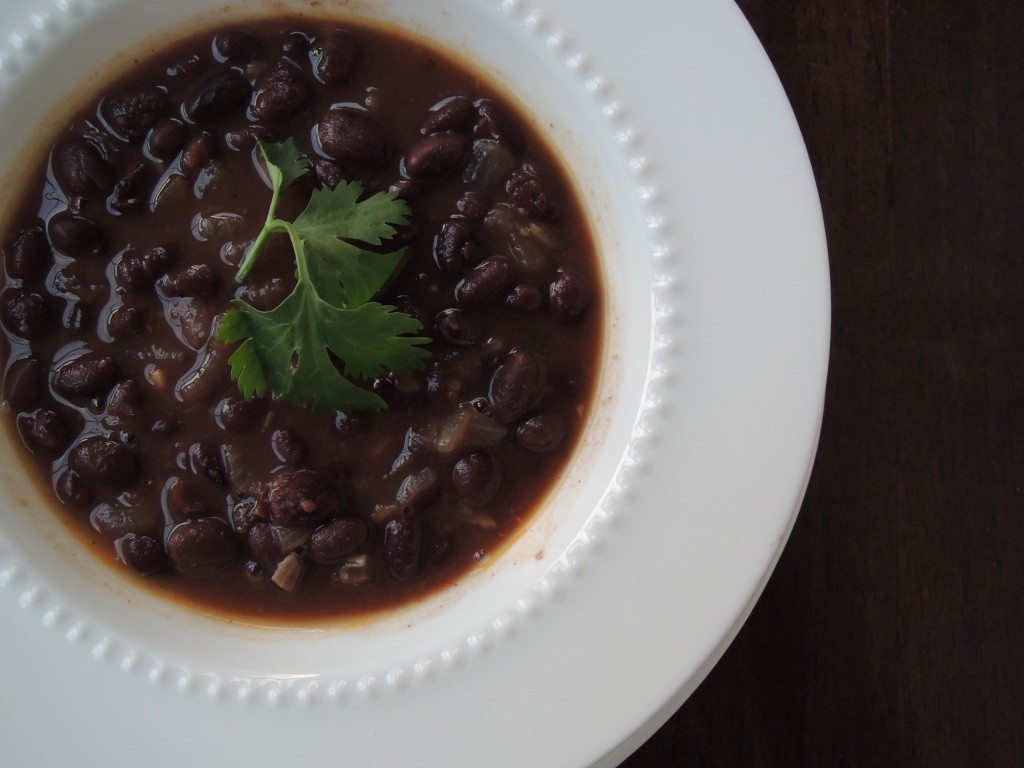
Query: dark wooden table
point(892, 631)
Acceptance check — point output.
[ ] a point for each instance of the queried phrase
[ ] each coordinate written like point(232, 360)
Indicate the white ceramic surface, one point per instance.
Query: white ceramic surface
point(583, 638)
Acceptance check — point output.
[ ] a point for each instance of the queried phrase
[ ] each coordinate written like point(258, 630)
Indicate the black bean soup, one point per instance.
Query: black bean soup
point(122, 260)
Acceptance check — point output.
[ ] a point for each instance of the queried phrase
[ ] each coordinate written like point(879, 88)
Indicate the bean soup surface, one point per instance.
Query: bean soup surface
point(122, 259)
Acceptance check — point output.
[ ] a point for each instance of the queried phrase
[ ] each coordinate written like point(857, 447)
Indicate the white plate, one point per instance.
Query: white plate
point(583, 639)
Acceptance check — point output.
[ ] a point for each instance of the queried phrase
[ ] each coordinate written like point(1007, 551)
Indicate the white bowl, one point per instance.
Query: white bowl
point(601, 618)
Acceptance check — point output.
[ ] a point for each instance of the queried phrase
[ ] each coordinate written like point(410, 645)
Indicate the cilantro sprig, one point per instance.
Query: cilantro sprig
point(328, 333)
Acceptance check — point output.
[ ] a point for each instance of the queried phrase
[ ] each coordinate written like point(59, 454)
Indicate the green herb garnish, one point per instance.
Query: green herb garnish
point(327, 332)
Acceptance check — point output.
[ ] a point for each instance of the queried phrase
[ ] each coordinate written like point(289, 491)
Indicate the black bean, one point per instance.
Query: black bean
point(336, 540)
point(29, 255)
point(454, 246)
point(458, 328)
point(265, 295)
point(280, 93)
point(197, 280)
point(131, 115)
point(569, 294)
point(243, 517)
point(531, 191)
point(191, 318)
point(298, 498)
point(235, 47)
point(25, 383)
point(476, 479)
point(524, 297)
point(288, 447)
point(88, 375)
point(72, 490)
point(473, 205)
point(130, 193)
point(484, 282)
point(75, 235)
point(204, 543)
point(495, 124)
point(352, 137)
point(143, 553)
point(165, 139)
point(329, 174)
point(125, 401)
point(403, 540)
point(156, 260)
point(407, 189)
point(435, 155)
point(24, 313)
point(264, 545)
point(515, 385)
point(105, 461)
point(451, 114)
point(244, 139)
point(113, 520)
point(543, 432)
point(81, 169)
point(237, 414)
point(184, 499)
point(337, 58)
point(130, 273)
point(208, 462)
point(125, 322)
point(43, 431)
point(217, 97)
point(297, 44)
point(197, 154)
point(254, 572)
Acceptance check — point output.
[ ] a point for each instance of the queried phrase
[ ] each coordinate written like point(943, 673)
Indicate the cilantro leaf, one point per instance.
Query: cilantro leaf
point(285, 162)
point(327, 332)
point(286, 348)
point(338, 213)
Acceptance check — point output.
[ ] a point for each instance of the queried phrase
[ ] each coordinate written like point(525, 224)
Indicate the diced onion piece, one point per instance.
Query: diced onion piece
point(467, 427)
point(353, 572)
point(417, 486)
point(291, 538)
point(530, 244)
point(384, 513)
point(170, 190)
point(490, 162)
point(242, 477)
point(288, 573)
point(482, 521)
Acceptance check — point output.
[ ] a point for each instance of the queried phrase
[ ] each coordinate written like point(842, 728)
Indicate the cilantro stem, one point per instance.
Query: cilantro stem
point(270, 226)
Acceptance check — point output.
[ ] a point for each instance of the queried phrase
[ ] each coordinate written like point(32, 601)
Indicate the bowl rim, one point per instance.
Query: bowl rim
point(720, 310)
point(517, 586)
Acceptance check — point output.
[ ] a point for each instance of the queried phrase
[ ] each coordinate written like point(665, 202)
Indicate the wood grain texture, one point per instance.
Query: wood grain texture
point(891, 632)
